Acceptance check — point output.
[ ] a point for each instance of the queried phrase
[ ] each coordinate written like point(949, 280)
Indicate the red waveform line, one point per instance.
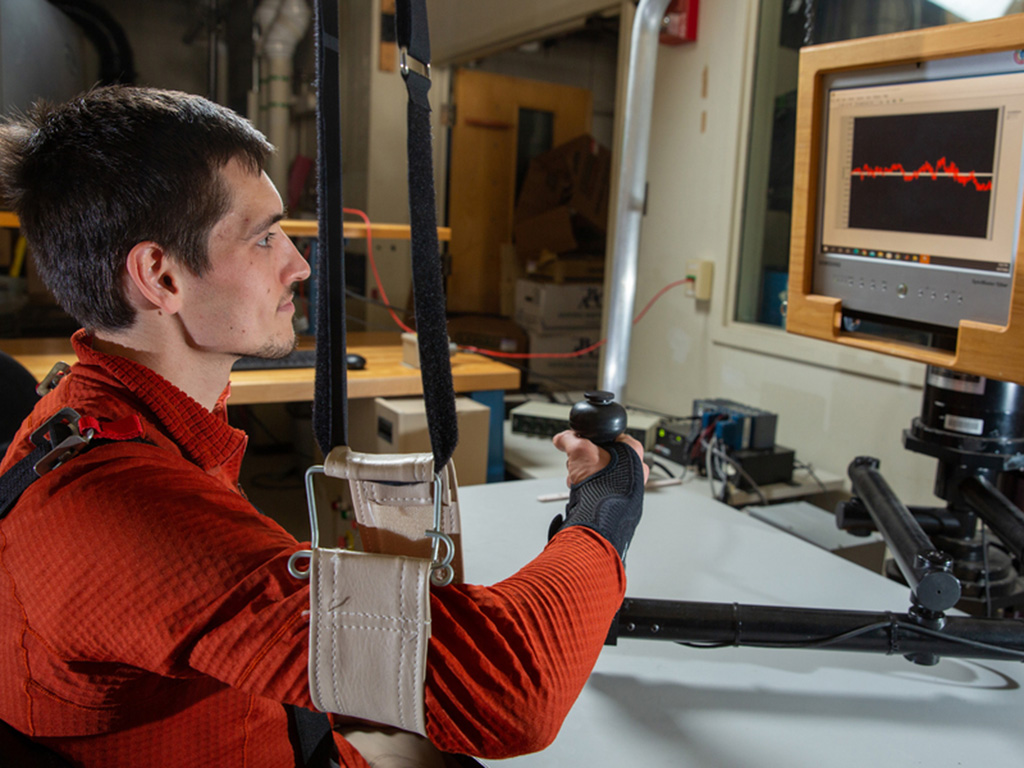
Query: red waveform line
point(963, 179)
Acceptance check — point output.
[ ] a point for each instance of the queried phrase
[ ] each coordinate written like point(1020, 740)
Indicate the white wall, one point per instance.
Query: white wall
point(833, 404)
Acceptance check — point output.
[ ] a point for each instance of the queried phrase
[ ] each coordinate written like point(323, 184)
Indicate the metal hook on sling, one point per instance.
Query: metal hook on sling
point(441, 571)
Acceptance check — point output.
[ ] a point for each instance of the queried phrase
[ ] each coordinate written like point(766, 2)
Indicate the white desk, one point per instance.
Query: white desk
point(660, 704)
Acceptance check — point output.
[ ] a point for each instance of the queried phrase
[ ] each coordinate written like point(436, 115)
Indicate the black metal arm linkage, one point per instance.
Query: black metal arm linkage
point(732, 624)
point(927, 571)
point(995, 509)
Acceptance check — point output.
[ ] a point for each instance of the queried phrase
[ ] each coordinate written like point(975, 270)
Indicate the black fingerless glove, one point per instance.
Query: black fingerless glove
point(609, 502)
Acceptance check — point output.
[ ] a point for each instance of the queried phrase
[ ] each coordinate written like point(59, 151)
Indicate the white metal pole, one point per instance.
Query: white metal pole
point(636, 133)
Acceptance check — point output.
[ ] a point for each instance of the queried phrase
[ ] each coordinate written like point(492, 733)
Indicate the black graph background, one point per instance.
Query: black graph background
point(940, 206)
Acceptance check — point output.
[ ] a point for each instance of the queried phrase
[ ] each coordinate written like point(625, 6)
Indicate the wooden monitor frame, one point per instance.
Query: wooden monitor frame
point(983, 349)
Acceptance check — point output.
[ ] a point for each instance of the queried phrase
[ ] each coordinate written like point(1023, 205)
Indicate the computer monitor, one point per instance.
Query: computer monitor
point(908, 195)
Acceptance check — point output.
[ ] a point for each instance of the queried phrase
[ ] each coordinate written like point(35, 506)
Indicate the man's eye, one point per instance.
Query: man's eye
point(265, 241)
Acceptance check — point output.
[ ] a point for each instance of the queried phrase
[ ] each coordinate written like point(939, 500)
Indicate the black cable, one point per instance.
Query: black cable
point(810, 470)
point(867, 629)
point(739, 468)
point(117, 62)
point(652, 463)
point(986, 572)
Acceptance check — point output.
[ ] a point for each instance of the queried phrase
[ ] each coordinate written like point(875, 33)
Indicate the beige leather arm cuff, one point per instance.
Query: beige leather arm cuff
point(369, 627)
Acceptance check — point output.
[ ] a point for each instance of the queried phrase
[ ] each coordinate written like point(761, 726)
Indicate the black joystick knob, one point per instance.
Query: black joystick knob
point(598, 418)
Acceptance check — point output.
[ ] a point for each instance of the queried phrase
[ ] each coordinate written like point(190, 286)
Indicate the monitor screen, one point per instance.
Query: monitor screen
point(920, 189)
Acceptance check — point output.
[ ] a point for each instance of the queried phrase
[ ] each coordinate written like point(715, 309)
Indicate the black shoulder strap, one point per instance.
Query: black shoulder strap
point(57, 441)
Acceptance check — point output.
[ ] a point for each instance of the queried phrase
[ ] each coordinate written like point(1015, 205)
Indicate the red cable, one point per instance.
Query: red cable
point(373, 266)
point(493, 352)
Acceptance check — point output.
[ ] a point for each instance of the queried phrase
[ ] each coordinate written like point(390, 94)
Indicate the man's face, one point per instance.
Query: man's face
point(242, 304)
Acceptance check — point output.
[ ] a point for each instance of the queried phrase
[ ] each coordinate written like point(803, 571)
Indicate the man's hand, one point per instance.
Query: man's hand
point(585, 458)
point(606, 488)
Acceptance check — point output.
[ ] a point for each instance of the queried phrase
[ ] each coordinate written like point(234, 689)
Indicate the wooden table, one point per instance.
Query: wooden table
point(385, 374)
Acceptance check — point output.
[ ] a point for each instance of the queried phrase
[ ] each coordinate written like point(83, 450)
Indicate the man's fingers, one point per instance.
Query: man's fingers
point(637, 446)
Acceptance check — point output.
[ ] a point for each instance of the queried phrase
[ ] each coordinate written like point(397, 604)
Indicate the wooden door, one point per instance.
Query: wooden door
point(500, 123)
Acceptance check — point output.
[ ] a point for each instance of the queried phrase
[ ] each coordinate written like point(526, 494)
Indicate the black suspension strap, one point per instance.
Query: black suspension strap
point(428, 282)
point(330, 398)
point(309, 730)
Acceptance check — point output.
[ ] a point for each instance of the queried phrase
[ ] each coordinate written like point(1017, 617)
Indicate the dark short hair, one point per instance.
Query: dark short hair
point(115, 167)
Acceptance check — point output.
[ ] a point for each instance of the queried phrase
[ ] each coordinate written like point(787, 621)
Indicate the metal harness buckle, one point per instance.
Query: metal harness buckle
point(53, 378)
point(407, 64)
point(64, 438)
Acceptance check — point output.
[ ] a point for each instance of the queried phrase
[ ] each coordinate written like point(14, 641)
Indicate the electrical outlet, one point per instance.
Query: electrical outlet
point(701, 272)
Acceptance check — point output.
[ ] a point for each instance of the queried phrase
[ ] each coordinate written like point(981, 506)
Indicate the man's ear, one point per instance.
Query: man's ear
point(154, 277)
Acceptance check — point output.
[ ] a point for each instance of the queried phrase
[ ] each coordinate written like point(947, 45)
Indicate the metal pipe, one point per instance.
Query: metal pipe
point(996, 510)
point(853, 516)
point(927, 571)
point(733, 624)
point(636, 134)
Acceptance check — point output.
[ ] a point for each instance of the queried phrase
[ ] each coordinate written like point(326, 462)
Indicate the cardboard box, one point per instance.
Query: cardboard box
point(551, 230)
point(402, 428)
point(564, 373)
point(511, 268)
point(500, 334)
point(546, 307)
point(578, 267)
point(575, 174)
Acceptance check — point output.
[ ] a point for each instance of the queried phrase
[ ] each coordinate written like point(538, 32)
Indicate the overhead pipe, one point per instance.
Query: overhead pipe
point(283, 23)
point(631, 192)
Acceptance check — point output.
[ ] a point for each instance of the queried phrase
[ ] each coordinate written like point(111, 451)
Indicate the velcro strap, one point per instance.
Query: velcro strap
point(393, 500)
point(369, 627)
point(128, 428)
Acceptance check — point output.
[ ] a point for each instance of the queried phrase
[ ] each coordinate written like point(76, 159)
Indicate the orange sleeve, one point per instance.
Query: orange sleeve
point(507, 662)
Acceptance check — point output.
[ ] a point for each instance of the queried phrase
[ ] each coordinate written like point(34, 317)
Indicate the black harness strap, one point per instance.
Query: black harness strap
point(58, 440)
point(309, 730)
point(428, 280)
point(330, 398)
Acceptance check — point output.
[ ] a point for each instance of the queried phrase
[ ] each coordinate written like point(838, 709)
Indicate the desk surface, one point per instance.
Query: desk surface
point(657, 704)
point(385, 374)
point(529, 457)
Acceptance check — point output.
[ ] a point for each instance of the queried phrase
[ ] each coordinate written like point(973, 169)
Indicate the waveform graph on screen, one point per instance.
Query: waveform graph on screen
point(925, 172)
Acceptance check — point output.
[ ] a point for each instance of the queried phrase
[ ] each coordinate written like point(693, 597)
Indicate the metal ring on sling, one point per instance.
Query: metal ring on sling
point(314, 527)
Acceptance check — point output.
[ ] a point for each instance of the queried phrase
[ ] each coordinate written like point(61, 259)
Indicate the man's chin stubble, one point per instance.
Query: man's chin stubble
point(273, 350)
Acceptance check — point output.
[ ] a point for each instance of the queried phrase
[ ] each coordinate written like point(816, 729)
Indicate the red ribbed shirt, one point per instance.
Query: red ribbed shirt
point(147, 616)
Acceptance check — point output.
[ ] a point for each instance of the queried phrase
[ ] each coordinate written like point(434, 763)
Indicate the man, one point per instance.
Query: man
point(147, 615)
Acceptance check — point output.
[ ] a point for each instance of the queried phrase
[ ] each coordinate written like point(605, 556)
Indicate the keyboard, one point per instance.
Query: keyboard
point(300, 358)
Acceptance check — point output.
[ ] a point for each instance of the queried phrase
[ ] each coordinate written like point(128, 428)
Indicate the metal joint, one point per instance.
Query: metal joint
point(407, 64)
point(53, 378)
point(64, 438)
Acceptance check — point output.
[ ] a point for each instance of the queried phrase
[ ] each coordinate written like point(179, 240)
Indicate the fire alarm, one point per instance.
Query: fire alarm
point(680, 23)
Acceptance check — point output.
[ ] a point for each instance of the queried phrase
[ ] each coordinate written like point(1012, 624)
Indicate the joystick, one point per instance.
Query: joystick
point(598, 418)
